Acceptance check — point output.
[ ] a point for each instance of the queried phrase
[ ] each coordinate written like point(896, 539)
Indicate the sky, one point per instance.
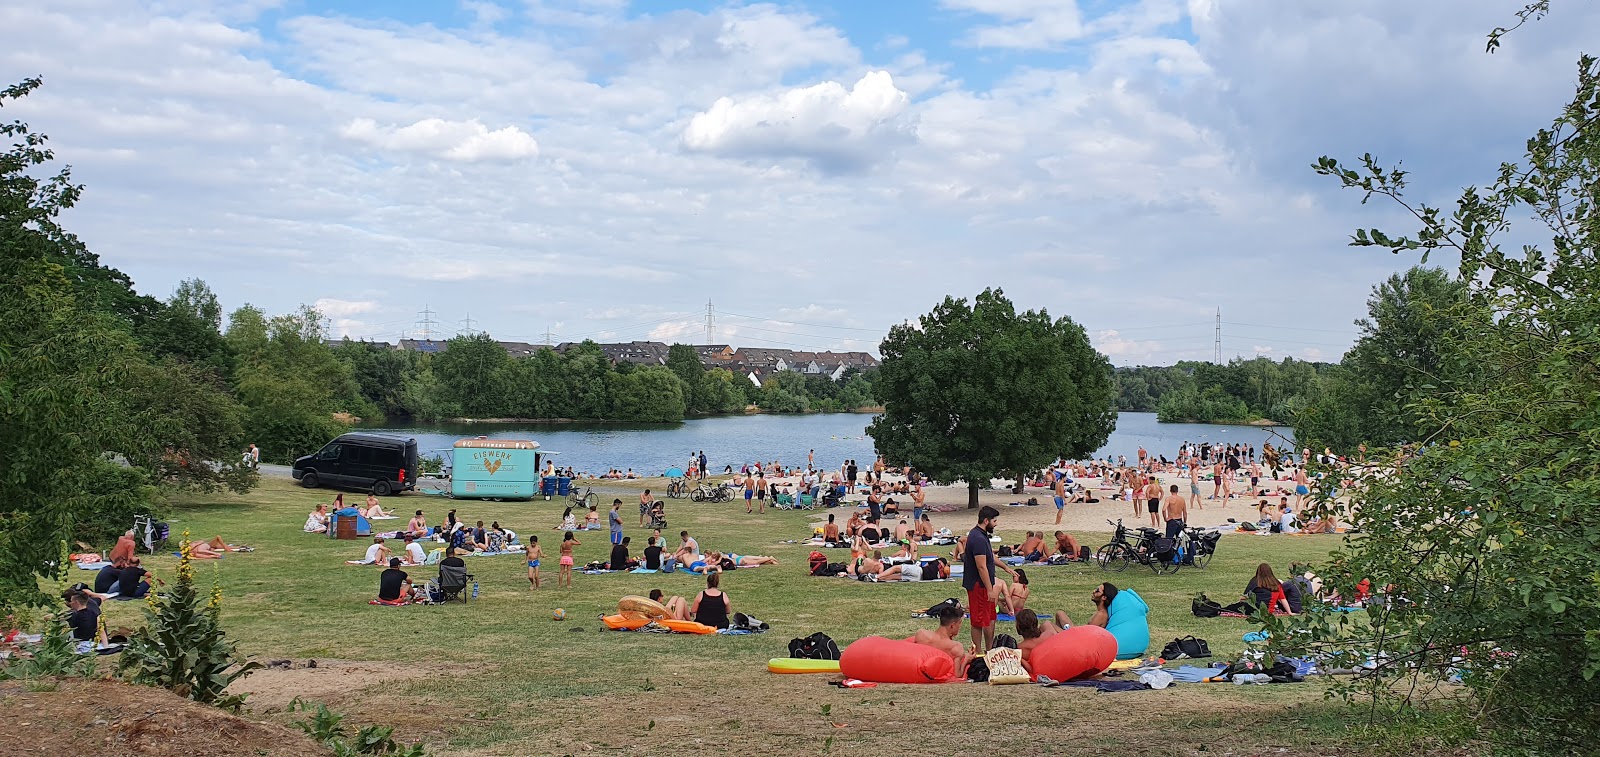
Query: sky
point(817, 171)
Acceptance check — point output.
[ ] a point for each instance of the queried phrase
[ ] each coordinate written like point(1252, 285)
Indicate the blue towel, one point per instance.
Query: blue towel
point(1255, 636)
point(643, 570)
point(1192, 674)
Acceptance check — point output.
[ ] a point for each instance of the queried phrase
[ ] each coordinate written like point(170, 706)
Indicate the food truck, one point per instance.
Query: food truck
point(494, 469)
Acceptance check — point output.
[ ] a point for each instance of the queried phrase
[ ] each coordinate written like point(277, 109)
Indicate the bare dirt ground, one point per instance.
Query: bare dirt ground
point(331, 682)
point(110, 719)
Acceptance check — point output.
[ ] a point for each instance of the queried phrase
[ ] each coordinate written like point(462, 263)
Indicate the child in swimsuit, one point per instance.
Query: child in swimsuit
point(534, 553)
point(564, 578)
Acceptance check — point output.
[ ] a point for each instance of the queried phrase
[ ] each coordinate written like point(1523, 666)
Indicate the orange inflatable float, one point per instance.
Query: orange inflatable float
point(686, 626)
point(881, 660)
point(1073, 653)
point(623, 622)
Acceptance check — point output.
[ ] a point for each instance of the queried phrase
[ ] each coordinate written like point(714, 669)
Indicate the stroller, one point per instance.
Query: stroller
point(658, 515)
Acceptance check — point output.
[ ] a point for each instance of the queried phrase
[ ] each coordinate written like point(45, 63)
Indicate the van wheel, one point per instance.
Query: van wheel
point(309, 480)
point(381, 489)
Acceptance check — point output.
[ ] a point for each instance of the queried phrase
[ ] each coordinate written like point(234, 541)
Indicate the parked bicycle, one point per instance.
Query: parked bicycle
point(584, 498)
point(707, 492)
point(1198, 547)
point(678, 488)
point(1148, 547)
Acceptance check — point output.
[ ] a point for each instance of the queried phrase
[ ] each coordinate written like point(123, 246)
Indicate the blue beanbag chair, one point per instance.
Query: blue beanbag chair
point(1127, 621)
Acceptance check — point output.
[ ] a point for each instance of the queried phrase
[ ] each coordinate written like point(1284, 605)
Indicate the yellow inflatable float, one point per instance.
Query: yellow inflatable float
point(633, 606)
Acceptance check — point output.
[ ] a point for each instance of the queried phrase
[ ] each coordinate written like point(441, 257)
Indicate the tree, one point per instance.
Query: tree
point(685, 363)
point(1487, 538)
point(973, 391)
point(1414, 320)
point(651, 394)
point(292, 386)
point(473, 372)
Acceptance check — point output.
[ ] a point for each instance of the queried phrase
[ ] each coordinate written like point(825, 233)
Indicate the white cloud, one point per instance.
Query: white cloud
point(835, 128)
point(452, 140)
point(1031, 24)
point(1261, 350)
point(1114, 345)
point(334, 308)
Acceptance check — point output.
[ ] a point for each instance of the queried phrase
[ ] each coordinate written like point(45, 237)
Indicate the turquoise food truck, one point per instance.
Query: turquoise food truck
point(494, 469)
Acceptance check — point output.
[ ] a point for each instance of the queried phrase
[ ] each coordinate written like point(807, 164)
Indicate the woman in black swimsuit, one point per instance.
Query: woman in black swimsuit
point(711, 605)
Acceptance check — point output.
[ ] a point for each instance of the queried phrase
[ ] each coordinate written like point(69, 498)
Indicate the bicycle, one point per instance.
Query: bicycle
point(1150, 548)
point(678, 488)
point(1199, 547)
point(711, 493)
point(584, 498)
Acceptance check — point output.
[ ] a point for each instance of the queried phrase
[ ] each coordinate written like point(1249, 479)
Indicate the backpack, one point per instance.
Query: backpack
point(1006, 640)
point(1004, 552)
point(978, 670)
point(1204, 607)
point(1084, 554)
point(933, 612)
point(818, 562)
point(1188, 646)
point(817, 646)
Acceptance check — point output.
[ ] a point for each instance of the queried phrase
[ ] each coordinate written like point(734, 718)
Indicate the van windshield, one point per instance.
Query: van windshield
point(330, 452)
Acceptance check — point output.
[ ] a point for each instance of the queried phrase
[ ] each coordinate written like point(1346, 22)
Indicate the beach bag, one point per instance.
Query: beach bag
point(978, 670)
point(1204, 607)
point(933, 612)
point(1006, 640)
point(1084, 554)
point(818, 562)
point(817, 646)
point(1193, 647)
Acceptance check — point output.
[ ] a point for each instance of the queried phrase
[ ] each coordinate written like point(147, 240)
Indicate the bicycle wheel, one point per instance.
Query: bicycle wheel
point(1201, 558)
point(1114, 557)
point(591, 500)
point(1164, 565)
point(698, 495)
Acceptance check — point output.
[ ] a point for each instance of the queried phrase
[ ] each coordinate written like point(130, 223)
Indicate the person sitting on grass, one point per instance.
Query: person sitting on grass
point(688, 549)
point(619, 555)
point(830, 531)
point(906, 553)
point(414, 554)
point(1065, 545)
point(852, 527)
point(83, 617)
point(1033, 631)
point(677, 607)
point(568, 522)
point(1031, 549)
point(924, 530)
point(1265, 590)
point(943, 638)
point(373, 509)
point(1015, 597)
point(377, 554)
point(712, 606)
point(418, 527)
point(317, 521)
point(393, 583)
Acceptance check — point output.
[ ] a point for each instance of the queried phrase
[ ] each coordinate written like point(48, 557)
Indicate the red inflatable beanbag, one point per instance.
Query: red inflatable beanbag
point(881, 660)
point(1073, 653)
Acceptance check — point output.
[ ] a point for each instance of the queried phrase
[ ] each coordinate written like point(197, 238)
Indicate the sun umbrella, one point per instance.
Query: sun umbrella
point(674, 473)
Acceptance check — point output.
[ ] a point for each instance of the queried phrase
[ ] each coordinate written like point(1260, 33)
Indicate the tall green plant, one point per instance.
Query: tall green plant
point(1485, 541)
point(182, 646)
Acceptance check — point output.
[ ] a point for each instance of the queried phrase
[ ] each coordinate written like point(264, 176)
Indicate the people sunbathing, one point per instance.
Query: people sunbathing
point(1033, 630)
point(373, 509)
point(943, 638)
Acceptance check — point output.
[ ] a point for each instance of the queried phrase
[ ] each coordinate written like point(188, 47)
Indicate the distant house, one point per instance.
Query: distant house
point(762, 357)
point(638, 353)
point(522, 349)
point(337, 343)
point(430, 346)
point(713, 354)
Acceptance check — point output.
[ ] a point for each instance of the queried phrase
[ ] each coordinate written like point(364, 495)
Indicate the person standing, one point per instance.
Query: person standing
point(1177, 513)
point(919, 501)
point(811, 459)
point(255, 456)
point(977, 565)
point(761, 493)
point(1152, 498)
point(1061, 493)
point(702, 465)
point(645, 501)
point(749, 493)
point(616, 521)
point(851, 474)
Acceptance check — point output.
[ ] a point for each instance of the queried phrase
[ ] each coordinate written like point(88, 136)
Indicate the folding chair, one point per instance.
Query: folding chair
point(453, 583)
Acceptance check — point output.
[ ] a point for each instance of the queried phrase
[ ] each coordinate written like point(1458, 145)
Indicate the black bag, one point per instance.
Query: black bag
point(1084, 554)
point(978, 670)
point(1006, 640)
point(1186, 647)
point(933, 612)
point(1239, 608)
point(1004, 552)
point(817, 646)
point(1204, 607)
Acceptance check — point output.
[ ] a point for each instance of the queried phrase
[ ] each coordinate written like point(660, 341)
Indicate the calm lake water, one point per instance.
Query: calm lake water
point(734, 440)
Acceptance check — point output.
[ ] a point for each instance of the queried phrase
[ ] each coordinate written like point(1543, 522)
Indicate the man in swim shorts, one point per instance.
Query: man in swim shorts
point(978, 565)
point(1177, 513)
point(1152, 498)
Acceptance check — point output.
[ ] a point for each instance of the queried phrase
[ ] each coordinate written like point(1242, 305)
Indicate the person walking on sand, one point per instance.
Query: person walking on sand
point(534, 553)
point(1216, 479)
point(1194, 487)
point(564, 578)
point(1152, 497)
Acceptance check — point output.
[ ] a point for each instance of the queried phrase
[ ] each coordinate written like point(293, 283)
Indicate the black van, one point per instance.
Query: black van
point(380, 464)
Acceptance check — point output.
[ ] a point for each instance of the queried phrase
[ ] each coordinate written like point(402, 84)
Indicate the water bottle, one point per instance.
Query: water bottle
point(474, 589)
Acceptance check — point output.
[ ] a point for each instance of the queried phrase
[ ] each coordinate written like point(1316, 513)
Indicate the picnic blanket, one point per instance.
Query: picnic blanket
point(92, 565)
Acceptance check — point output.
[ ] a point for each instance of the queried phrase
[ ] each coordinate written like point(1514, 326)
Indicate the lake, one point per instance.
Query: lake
point(734, 440)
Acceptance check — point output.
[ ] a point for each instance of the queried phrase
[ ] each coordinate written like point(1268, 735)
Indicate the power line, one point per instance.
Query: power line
point(711, 323)
point(798, 323)
point(426, 324)
point(1291, 328)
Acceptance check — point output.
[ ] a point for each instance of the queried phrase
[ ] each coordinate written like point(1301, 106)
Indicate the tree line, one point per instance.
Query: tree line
point(1239, 392)
point(475, 377)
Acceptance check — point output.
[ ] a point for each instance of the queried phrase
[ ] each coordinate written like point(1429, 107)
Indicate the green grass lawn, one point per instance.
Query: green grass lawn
point(500, 676)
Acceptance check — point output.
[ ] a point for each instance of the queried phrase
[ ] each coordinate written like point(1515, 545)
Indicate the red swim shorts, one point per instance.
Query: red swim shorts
point(980, 608)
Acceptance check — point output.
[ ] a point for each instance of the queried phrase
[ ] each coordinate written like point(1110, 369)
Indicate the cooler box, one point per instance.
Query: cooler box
point(495, 469)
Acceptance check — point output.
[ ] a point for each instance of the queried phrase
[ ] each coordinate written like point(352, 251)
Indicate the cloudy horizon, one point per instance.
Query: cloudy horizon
point(819, 170)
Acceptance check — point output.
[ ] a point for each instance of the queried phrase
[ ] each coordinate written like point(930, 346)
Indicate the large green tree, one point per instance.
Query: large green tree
point(1409, 344)
point(1488, 537)
point(973, 391)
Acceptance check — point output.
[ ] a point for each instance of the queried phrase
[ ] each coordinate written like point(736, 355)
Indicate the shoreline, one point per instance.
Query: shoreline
point(560, 421)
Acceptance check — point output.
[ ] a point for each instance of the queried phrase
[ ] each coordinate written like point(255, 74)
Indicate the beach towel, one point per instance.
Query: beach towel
point(388, 602)
point(644, 570)
point(92, 565)
point(1104, 687)
point(384, 517)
